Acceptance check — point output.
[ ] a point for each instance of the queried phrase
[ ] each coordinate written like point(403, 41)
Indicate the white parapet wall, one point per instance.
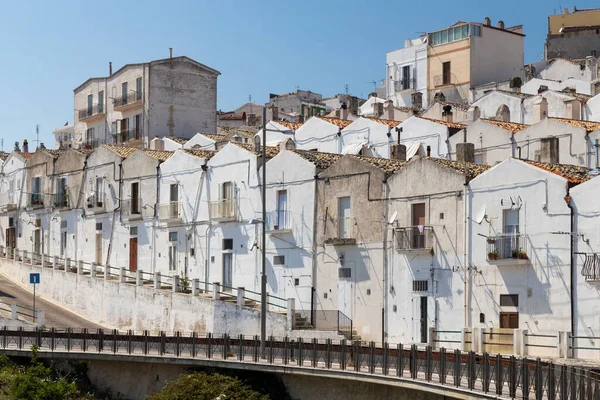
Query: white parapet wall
point(126, 306)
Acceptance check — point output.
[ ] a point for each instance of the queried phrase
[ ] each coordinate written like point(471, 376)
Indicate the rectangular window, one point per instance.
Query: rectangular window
point(133, 231)
point(509, 300)
point(138, 89)
point(174, 193)
point(509, 320)
point(101, 101)
point(124, 93)
point(61, 192)
point(172, 236)
point(444, 36)
point(99, 191)
point(36, 191)
point(436, 38)
point(90, 104)
point(446, 74)
point(465, 31)
point(278, 260)
point(98, 226)
point(172, 256)
point(344, 272)
point(137, 126)
point(420, 286)
point(282, 217)
point(135, 198)
point(227, 244)
point(345, 222)
point(450, 35)
point(63, 224)
point(406, 77)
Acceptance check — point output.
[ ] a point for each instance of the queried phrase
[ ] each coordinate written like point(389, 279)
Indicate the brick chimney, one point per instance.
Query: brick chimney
point(343, 111)
point(377, 110)
point(25, 146)
point(389, 110)
point(549, 150)
point(447, 113)
point(540, 109)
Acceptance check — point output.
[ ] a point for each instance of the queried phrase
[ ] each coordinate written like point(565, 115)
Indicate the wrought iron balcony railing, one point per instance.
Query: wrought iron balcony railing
point(130, 99)
point(412, 238)
point(507, 247)
point(89, 112)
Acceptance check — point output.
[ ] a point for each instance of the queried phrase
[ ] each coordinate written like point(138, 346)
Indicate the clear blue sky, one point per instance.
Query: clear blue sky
point(50, 47)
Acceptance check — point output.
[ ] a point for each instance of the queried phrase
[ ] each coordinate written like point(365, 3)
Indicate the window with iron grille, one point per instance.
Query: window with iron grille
point(509, 300)
point(133, 230)
point(345, 273)
point(98, 226)
point(278, 260)
point(172, 236)
point(421, 286)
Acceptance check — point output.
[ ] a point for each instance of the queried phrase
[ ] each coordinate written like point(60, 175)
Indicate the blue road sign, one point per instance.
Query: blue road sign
point(34, 278)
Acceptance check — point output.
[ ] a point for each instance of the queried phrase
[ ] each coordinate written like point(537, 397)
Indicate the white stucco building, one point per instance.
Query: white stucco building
point(424, 136)
point(170, 97)
point(406, 74)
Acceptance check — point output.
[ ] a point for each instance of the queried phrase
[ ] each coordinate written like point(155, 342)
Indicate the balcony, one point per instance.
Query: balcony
point(223, 210)
point(36, 200)
point(61, 201)
point(344, 232)
point(129, 102)
point(405, 85)
point(91, 144)
point(91, 113)
point(8, 201)
point(95, 204)
point(414, 239)
point(591, 267)
point(279, 222)
point(170, 213)
point(131, 209)
point(507, 249)
point(128, 136)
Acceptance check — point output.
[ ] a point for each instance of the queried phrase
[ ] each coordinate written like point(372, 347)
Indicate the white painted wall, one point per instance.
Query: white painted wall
point(12, 182)
point(534, 84)
point(489, 104)
point(414, 56)
point(374, 134)
point(561, 70)
point(492, 143)
point(593, 107)
point(426, 132)
point(316, 133)
point(275, 133)
point(200, 141)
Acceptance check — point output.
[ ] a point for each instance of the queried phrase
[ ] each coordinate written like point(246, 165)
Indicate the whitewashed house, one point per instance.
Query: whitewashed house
point(560, 69)
point(290, 206)
point(593, 106)
point(520, 257)
point(426, 254)
point(369, 137)
point(179, 232)
point(12, 198)
point(278, 131)
point(406, 73)
point(424, 136)
point(494, 141)
point(501, 102)
point(533, 86)
point(559, 104)
point(320, 133)
point(443, 109)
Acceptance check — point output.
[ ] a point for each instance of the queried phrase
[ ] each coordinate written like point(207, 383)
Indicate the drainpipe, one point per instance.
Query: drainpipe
point(385, 262)
point(155, 219)
point(467, 291)
point(572, 254)
point(313, 291)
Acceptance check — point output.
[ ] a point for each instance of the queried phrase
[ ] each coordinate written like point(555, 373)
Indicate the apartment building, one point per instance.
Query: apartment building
point(301, 104)
point(406, 74)
point(176, 97)
point(573, 35)
point(63, 136)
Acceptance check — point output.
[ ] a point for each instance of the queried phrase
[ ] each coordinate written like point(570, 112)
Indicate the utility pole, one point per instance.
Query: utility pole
point(263, 275)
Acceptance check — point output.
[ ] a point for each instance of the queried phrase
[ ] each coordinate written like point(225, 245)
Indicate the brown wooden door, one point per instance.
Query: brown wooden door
point(99, 248)
point(418, 223)
point(509, 320)
point(11, 238)
point(133, 254)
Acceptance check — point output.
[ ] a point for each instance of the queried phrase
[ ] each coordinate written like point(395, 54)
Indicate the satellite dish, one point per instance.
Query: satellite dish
point(480, 215)
point(393, 217)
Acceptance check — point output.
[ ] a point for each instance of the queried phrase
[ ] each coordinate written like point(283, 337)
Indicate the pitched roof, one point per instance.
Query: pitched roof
point(589, 126)
point(340, 123)
point(453, 125)
point(388, 122)
point(319, 159)
point(271, 151)
point(470, 170)
point(517, 94)
point(177, 139)
point(159, 155)
point(244, 130)
point(389, 166)
point(458, 106)
point(573, 173)
point(206, 154)
point(509, 126)
point(579, 96)
point(293, 126)
point(214, 136)
point(53, 153)
point(121, 151)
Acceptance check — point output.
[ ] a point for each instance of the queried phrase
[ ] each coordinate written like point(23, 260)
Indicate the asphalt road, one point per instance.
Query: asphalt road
point(55, 316)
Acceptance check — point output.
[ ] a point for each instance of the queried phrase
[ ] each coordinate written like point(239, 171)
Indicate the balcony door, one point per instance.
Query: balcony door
point(281, 209)
point(345, 217)
point(418, 225)
point(124, 127)
point(135, 198)
point(510, 230)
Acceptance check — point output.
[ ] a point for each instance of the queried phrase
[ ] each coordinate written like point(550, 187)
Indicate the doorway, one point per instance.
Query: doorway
point(346, 288)
point(98, 248)
point(418, 223)
point(509, 320)
point(37, 241)
point(420, 319)
point(11, 237)
point(133, 251)
point(345, 218)
point(227, 271)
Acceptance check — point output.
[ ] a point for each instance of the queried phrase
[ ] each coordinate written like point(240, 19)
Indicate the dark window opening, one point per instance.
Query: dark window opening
point(227, 244)
point(509, 300)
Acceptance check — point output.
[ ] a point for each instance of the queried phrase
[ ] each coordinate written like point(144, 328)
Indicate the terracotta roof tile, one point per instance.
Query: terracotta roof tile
point(158, 154)
point(231, 117)
point(517, 94)
point(243, 130)
point(573, 173)
point(319, 159)
point(25, 155)
point(340, 123)
point(293, 126)
point(453, 125)
point(271, 151)
point(589, 126)
point(388, 122)
point(177, 139)
point(579, 96)
point(458, 106)
point(470, 170)
point(121, 151)
point(214, 136)
point(206, 154)
point(387, 165)
point(509, 126)
point(53, 153)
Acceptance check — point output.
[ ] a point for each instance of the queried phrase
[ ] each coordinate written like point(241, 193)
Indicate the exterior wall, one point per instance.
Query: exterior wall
point(428, 133)
point(183, 99)
point(436, 110)
point(482, 90)
point(534, 84)
point(593, 107)
point(557, 107)
point(171, 145)
point(64, 136)
point(298, 102)
point(185, 171)
point(576, 44)
point(315, 134)
point(290, 172)
point(276, 133)
point(459, 55)
point(486, 65)
point(574, 148)
point(586, 295)
point(200, 141)
point(100, 125)
point(13, 169)
point(560, 70)
point(492, 143)
point(576, 18)
point(425, 181)
point(542, 282)
point(373, 134)
point(414, 56)
point(359, 297)
point(489, 104)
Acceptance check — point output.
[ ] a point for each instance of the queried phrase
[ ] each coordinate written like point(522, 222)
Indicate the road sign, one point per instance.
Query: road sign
point(34, 278)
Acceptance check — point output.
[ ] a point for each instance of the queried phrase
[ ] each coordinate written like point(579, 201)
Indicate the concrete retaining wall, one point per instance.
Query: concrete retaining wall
point(125, 306)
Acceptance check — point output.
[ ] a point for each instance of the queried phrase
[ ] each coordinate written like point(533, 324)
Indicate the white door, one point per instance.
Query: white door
point(346, 289)
point(227, 271)
point(37, 241)
point(173, 257)
point(511, 232)
point(345, 217)
point(282, 209)
point(416, 319)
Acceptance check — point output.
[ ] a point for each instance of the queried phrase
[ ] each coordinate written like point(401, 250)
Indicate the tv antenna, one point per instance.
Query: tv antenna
point(374, 83)
point(346, 89)
point(37, 136)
